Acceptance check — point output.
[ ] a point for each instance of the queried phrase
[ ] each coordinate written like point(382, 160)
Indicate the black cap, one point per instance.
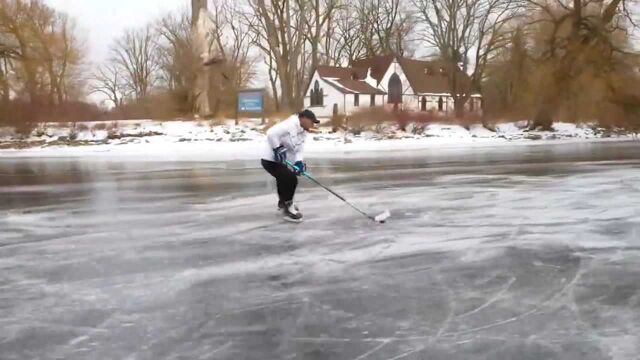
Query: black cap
point(309, 115)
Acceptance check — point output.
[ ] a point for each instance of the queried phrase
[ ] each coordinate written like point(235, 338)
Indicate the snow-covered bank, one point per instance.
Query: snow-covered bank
point(195, 140)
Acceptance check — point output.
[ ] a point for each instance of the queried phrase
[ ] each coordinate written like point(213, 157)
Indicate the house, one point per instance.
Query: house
point(340, 90)
point(391, 81)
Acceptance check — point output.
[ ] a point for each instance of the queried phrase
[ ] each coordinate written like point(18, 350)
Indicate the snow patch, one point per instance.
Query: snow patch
point(223, 140)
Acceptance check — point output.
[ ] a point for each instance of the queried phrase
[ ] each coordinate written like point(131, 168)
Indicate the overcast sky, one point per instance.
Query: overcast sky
point(101, 21)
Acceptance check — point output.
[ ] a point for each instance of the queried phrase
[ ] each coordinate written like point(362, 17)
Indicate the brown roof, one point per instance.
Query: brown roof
point(425, 77)
point(348, 80)
point(423, 82)
point(430, 77)
point(359, 86)
point(378, 65)
point(336, 72)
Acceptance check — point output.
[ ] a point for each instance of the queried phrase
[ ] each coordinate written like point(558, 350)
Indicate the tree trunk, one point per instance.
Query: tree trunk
point(4, 83)
point(543, 119)
point(29, 69)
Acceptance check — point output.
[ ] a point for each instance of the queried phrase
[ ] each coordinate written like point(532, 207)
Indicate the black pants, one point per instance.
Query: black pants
point(286, 179)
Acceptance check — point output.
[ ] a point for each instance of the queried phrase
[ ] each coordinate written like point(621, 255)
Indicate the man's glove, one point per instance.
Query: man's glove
point(300, 167)
point(280, 154)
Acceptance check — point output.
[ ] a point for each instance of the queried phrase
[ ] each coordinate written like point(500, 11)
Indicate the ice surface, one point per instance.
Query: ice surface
point(514, 253)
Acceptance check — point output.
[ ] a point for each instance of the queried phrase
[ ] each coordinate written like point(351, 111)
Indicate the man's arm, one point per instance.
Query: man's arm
point(300, 153)
point(275, 134)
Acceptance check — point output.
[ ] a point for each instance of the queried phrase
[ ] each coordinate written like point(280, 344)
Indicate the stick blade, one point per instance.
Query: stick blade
point(382, 217)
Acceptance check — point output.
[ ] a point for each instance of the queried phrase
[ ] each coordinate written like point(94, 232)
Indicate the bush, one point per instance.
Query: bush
point(157, 106)
point(73, 132)
point(113, 131)
point(367, 119)
point(99, 126)
point(24, 116)
point(113, 126)
point(337, 123)
point(40, 131)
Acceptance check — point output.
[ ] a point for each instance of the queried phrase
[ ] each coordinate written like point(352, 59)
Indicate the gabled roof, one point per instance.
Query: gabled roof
point(425, 77)
point(336, 72)
point(378, 65)
point(347, 80)
point(431, 77)
point(359, 86)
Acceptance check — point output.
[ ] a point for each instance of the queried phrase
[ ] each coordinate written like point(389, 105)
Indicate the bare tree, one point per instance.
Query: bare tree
point(8, 53)
point(318, 17)
point(385, 26)
point(276, 33)
point(179, 58)
point(348, 40)
point(456, 28)
point(58, 49)
point(136, 53)
point(363, 28)
point(508, 77)
point(109, 82)
point(495, 31)
point(15, 22)
point(580, 42)
point(273, 80)
point(46, 53)
point(234, 40)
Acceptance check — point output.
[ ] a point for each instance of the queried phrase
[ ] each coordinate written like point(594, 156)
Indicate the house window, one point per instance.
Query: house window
point(317, 95)
point(471, 104)
point(428, 71)
point(395, 90)
point(423, 104)
point(440, 104)
point(373, 100)
point(356, 99)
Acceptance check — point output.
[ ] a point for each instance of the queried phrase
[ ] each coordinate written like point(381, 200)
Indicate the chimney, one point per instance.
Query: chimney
point(369, 79)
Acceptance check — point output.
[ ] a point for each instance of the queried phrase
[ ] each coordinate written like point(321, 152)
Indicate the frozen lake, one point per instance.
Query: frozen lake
point(527, 252)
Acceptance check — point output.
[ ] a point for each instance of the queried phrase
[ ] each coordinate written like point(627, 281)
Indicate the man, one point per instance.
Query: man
point(285, 141)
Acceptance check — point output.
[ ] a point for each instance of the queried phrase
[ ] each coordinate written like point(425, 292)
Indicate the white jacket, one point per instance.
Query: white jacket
point(289, 134)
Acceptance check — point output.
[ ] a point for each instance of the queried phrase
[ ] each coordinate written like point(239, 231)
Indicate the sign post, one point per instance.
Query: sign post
point(250, 101)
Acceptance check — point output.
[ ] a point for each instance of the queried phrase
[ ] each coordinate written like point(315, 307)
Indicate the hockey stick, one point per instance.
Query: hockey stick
point(381, 218)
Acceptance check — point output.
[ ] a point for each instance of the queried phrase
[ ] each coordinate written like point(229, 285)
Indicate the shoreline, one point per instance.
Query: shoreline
point(195, 141)
point(205, 151)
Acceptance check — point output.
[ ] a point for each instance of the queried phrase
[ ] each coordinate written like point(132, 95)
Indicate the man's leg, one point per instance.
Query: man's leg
point(287, 184)
point(286, 180)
